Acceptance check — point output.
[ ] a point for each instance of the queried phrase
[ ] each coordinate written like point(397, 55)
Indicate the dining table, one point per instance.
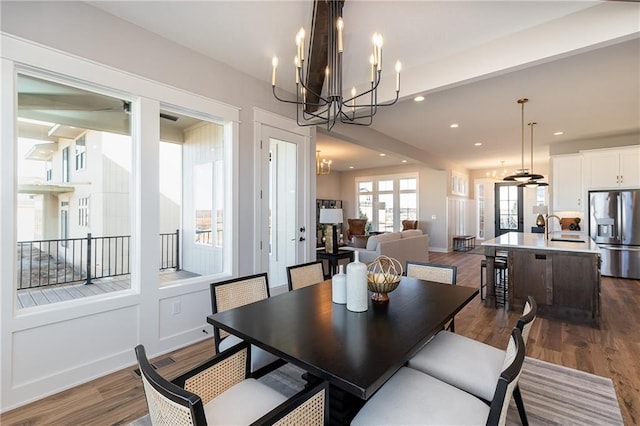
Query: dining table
point(356, 352)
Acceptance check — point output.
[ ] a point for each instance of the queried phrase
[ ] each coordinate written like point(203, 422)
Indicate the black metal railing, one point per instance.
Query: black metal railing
point(170, 251)
point(62, 261)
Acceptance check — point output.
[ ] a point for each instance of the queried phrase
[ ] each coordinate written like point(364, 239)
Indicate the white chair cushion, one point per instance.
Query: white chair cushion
point(242, 404)
point(462, 362)
point(411, 397)
point(259, 357)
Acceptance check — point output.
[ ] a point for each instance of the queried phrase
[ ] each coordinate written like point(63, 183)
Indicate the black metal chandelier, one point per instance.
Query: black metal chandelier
point(523, 175)
point(533, 183)
point(331, 106)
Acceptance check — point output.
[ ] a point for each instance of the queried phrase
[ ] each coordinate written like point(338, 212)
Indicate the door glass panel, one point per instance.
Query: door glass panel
point(508, 209)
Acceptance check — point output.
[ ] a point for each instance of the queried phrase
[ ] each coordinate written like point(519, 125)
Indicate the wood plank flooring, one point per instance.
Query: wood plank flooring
point(610, 351)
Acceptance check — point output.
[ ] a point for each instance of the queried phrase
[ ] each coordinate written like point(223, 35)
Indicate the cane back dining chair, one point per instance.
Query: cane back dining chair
point(413, 397)
point(237, 292)
point(305, 274)
point(445, 274)
point(471, 365)
point(220, 392)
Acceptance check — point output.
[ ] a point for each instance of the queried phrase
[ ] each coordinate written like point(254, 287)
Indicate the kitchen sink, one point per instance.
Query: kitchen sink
point(568, 238)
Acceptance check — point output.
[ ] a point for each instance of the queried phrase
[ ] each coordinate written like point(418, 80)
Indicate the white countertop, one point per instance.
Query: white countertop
point(538, 241)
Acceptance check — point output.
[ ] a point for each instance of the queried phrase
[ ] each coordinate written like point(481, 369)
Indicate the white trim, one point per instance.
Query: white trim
point(87, 355)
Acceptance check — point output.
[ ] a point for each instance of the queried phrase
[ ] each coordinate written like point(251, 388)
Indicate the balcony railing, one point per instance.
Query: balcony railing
point(62, 261)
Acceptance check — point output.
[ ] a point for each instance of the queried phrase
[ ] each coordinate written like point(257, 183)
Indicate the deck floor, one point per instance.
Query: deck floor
point(46, 295)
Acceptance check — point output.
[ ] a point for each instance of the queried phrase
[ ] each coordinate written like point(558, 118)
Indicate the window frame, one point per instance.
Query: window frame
point(143, 97)
point(395, 192)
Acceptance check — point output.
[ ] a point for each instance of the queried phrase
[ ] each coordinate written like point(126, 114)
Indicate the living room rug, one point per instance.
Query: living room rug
point(552, 394)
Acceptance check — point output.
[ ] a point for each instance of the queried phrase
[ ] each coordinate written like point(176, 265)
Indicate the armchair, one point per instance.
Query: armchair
point(409, 224)
point(356, 227)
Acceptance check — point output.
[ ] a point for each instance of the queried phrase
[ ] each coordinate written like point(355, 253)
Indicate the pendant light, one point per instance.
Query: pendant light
point(523, 174)
point(533, 182)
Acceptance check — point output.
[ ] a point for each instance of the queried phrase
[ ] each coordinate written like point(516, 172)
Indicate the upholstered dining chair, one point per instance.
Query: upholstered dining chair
point(413, 397)
point(471, 365)
point(219, 391)
point(409, 224)
point(237, 292)
point(445, 274)
point(356, 227)
point(305, 274)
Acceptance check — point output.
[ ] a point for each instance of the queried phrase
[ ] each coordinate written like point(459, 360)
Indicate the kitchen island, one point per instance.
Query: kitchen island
point(562, 273)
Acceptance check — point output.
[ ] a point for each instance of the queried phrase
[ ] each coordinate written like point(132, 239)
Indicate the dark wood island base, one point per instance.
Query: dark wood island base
point(563, 277)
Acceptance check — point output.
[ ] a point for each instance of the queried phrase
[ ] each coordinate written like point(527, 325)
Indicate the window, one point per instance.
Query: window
point(81, 153)
point(85, 225)
point(56, 224)
point(83, 211)
point(65, 164)
point(193, 192)
point(387, 201)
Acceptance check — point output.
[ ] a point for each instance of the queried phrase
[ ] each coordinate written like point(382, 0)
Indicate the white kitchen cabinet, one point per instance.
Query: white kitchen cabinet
point(612, 168)
point(566, 182)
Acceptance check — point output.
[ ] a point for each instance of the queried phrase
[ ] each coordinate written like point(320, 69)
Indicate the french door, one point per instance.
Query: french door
point(508, 208)
point(283, 225)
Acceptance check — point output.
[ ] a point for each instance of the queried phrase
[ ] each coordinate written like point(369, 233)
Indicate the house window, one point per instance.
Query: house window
point(65, 164)
point(83, 211)
point(81, 153)
point(49, 170)
point(387, 201)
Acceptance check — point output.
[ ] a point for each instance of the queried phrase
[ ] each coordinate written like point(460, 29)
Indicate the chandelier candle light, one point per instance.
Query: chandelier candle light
point(330, 107)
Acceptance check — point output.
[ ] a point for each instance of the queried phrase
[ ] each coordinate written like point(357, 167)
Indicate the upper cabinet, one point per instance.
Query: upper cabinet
point(567, 182)
point(612, 168)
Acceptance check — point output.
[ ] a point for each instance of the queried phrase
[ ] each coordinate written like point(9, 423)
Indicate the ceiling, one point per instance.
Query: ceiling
point(578, 62)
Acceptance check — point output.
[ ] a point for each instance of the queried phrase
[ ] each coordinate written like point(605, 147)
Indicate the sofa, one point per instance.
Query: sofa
point(403, 246)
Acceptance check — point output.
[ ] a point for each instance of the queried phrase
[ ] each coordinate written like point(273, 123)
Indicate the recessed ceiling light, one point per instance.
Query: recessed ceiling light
point(404, 161)
point(558, 133)
point(419, 98)
point(477, 144)
point(454, 125)
point(351, 167)
point(382, 154)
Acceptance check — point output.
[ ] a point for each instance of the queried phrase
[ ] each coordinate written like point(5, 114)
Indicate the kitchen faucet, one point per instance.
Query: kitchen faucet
point(546, 223)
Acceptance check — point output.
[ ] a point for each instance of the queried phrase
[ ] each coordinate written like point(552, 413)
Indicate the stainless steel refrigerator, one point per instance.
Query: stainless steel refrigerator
point(614, 224)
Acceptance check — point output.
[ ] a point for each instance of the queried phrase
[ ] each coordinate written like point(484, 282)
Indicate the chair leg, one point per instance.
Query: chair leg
point(518, 398)
point(481, 283)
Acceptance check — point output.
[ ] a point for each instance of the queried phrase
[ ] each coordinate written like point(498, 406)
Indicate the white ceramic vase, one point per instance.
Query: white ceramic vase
point(357, 296)
point(339, 286)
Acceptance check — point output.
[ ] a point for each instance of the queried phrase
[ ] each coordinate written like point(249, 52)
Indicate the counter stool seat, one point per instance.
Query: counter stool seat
point(500, 269)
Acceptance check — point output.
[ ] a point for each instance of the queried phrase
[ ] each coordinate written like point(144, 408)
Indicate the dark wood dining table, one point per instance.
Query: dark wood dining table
point(355, 352)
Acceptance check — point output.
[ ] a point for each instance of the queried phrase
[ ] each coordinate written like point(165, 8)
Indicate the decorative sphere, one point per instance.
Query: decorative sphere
point(383, 276)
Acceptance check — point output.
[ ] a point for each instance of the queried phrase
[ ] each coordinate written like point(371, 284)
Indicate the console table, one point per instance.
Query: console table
point(333, 258)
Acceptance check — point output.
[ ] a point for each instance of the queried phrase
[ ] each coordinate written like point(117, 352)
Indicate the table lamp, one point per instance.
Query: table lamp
point(540, 211)
point(331, 217)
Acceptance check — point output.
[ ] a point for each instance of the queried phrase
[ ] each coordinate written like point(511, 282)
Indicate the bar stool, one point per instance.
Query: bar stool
point(501, 280)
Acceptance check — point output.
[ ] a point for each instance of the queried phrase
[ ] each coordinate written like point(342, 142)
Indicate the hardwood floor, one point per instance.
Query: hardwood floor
point(610, 351)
